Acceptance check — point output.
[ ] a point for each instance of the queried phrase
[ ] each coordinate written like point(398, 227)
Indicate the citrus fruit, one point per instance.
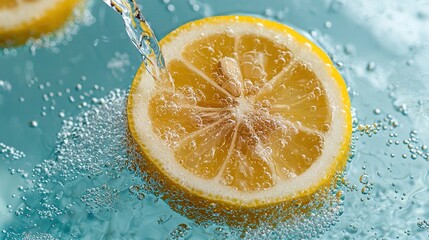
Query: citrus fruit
point(21, 20)
point(253, 117)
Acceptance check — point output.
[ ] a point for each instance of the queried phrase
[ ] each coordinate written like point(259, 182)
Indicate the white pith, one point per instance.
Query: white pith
point(26, 12)
point(159, 151)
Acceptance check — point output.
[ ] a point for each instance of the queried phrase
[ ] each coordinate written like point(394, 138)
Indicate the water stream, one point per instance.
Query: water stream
point(140, 34)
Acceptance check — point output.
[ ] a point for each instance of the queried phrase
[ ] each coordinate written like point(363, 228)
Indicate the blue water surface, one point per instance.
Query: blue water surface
point(62, 124)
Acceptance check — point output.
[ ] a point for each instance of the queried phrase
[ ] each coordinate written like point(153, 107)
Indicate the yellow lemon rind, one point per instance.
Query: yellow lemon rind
point(48, 22)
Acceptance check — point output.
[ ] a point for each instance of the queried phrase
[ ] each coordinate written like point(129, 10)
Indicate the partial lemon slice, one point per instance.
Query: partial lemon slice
point(256, 117)
point(21, 20)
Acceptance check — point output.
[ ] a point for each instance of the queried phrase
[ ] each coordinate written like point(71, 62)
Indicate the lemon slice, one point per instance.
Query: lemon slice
point(256, 116)
point(21, 20)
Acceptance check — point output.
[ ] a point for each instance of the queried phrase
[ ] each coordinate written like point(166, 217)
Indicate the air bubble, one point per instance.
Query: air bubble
point(5, 86)
point(365, 190)
point(33, 124)
point(339, 64)
point(423, 224)
point(171, 7)
point(371, 66)
point(363, 179)
point(328, 24)
point(180, 231)
point(141, 196)
point(269, 12)
point(377, 111)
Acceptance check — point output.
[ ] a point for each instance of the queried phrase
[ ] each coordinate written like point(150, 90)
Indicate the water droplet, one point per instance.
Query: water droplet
point(423, 224)
point(141, 196)
point(171, 7)
point(371, 66)
point(328, 24)
point(336, 5)
point(377, 111)
point(349, 49)
point(363, 179)
point(269, 12)
point(33, 124)
point(339, 64)
point(365, 190)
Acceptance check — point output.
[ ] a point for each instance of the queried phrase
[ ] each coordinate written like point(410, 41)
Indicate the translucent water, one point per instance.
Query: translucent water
point(140, 34)
point(62, 131)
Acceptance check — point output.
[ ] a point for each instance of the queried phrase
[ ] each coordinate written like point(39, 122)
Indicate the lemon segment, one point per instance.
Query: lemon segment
point(21, 20)
point(257, 115)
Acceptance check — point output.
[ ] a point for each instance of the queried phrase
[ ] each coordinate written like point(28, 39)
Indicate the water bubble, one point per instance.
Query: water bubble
point(119, 64)
point(328, 24)
point(363, 179)
point(336, 5)
point(78, 87)
point(196, 7)
point(423, 224)
point(180, 231)
point(269, 12)
point(5, 86)
point(141, 196)
point(349, 49)
point(171, 7)
point(33, 124)
point(371, 66)
point(339, 64)
point(163, 219)
point(365, 190)
point(377, 111)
